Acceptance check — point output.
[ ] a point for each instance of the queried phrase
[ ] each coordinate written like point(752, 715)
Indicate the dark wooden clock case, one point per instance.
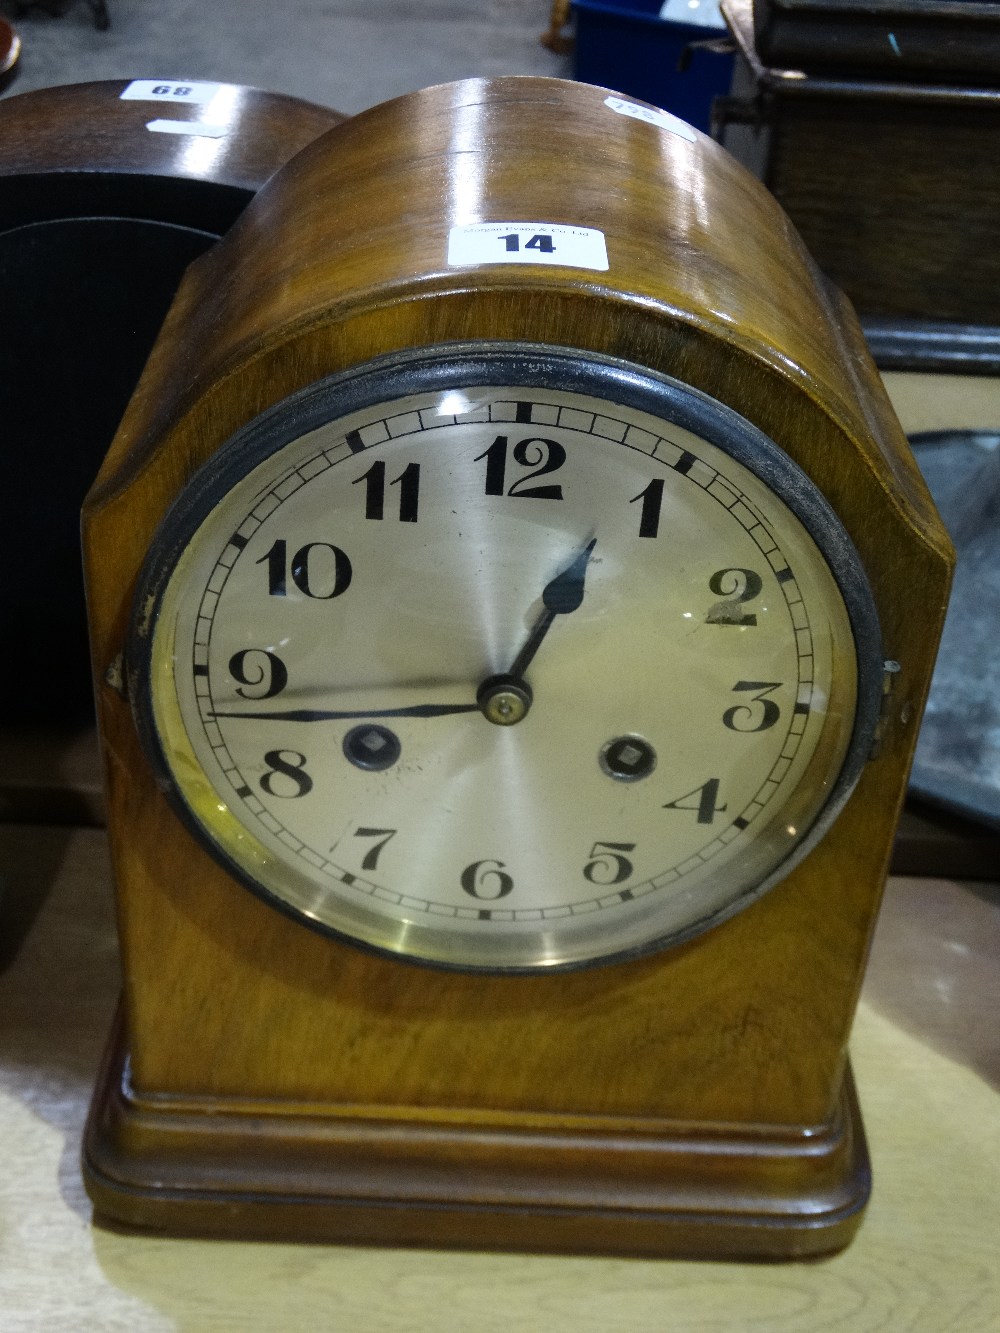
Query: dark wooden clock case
point(99, 218)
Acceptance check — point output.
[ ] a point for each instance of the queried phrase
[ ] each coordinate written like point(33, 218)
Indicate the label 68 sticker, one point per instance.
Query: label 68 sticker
point(166, 90)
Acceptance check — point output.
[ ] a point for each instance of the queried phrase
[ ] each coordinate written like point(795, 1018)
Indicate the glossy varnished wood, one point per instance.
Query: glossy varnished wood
point(79, 147)
point(732, 1045)
point(928, 1068)
point(409, 1175)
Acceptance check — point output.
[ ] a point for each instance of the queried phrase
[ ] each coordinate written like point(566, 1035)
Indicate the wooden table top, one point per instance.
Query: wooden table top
point(926, 1056)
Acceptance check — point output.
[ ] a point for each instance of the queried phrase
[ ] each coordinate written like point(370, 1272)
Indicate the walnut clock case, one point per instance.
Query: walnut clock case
point(492, 585)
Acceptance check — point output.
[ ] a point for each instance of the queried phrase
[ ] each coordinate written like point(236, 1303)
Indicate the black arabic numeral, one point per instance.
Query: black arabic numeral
point(477, 881)
point(287, 766)
point(277, 563)
point(541, 455)
point(649, 515)
point(371, 856)
point(496, 465)
point(408, 482)
point(541, 241)
point(735, 586)
point(704, 800)
point(342, 572)
point(374, 480)
point(550, 455)
point(305, 575)
point(608, 860)
point(744, 713)
point(256, 667)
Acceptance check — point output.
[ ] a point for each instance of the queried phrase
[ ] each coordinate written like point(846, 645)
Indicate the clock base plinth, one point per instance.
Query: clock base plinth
point(450, 1179)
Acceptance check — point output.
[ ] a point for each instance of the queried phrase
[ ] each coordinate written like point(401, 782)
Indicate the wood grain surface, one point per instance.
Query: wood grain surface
point(342, 258)
point(83, 137)
point(928, 1064)
point(892, 199)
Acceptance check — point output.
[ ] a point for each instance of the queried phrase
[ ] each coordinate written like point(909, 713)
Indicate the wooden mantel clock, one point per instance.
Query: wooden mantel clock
point(512, 603)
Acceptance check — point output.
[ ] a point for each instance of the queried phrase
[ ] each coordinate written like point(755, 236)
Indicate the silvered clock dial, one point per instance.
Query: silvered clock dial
point(505, 658)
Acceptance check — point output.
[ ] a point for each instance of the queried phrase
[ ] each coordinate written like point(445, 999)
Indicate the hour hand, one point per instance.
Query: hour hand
point(561, 595)
point(564, 593)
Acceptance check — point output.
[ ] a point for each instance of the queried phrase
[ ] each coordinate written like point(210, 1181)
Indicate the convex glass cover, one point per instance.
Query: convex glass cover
point(505, 658)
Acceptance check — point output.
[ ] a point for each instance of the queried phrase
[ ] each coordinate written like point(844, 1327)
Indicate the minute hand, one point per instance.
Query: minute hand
point(340, 715)
point(560, 595)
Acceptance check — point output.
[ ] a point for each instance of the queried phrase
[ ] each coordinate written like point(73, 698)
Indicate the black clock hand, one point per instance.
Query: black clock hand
point(338, 715)
point(560, 595)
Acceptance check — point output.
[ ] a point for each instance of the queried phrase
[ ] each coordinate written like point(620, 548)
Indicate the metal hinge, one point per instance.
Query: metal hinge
point(115, 676)
point(890, 672)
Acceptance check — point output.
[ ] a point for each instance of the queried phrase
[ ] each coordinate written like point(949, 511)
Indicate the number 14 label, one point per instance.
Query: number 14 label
point(527, 243)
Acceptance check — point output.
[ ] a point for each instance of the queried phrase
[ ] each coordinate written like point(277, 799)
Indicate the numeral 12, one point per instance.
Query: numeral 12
point(541, 455)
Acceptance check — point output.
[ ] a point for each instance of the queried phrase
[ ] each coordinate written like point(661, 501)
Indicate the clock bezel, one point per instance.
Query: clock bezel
point(454, 366)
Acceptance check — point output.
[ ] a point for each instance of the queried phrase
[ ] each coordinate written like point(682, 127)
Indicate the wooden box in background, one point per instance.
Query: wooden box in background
point(884, 38)
point(893, 188)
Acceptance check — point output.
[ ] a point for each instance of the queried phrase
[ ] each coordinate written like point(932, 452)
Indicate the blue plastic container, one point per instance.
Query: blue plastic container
point(624, 45)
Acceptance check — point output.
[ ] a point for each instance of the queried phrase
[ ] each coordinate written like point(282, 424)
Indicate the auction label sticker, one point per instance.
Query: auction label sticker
point(528, 243)
point(663, 119)
point(201, 129)
point(175, 92)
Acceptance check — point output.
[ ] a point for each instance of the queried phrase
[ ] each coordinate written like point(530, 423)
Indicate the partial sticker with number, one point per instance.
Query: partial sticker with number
point(662, 119)
point(527, 243)
point(175, 92)
point(201, 129)
point(696, 13)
